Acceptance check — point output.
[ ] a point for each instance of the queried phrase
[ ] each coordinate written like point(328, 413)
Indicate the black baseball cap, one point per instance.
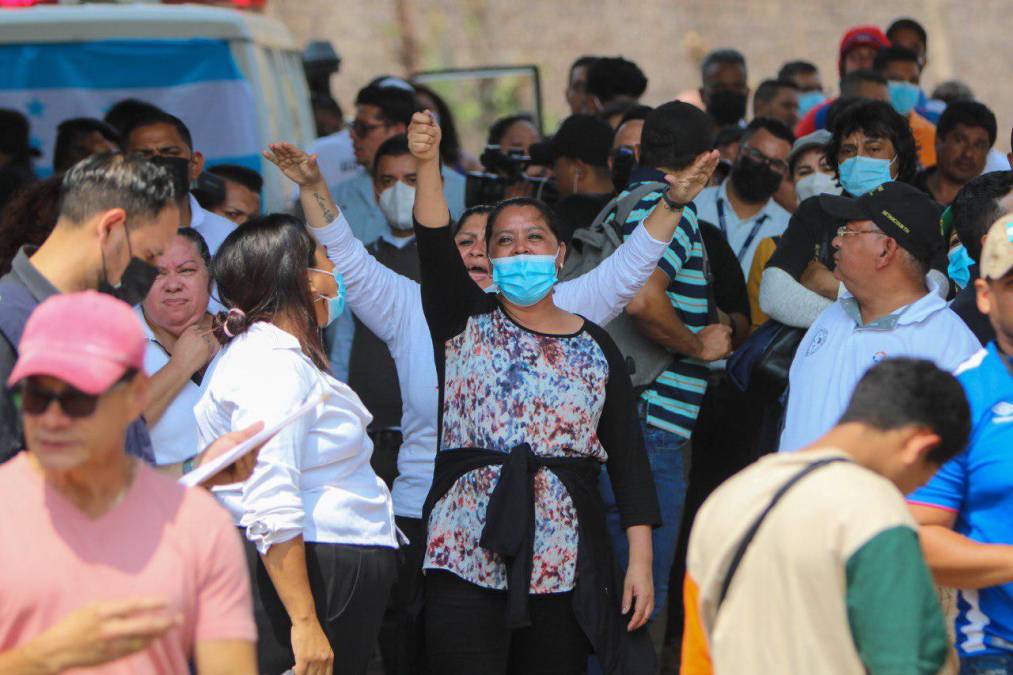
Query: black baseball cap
point(901, 211)
point(584, 137)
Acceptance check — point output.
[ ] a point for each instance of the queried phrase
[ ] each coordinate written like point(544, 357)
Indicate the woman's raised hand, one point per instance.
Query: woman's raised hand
point(686, 184)
point(298, 167)
point(424, 137)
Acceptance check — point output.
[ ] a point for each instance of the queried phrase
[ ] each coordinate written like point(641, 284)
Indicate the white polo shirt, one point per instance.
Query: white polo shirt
point(837, 350)
point(743, 236)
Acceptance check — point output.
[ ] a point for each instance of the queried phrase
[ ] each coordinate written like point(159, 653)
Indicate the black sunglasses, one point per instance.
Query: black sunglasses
point(75, 403)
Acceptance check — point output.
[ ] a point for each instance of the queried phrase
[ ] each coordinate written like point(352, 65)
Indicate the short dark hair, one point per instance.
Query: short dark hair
point(260, 270)
point(775, 128)
point(674, 135)
point(951, 91)
point(547, 214)
point(976, 207)
point(396, 105)
point(322, 101)
point(722, 57)
point(970, 114)
point(877, 119)
point(768, 90)
point(903, 392)
point(894, 53)
point(794, 68)
point(201, 245)
point(450, 140)
point(609, 78)
point(582, 61)
point(853, 80)
point(499, 128)
point(637, 112)
point(123, 113)
point(244, 175)
point(114, 180)
point(28, 218)
point(395, 146)
point(159, 117)
point(476, 210)
point(908, 24)
point(69, 134)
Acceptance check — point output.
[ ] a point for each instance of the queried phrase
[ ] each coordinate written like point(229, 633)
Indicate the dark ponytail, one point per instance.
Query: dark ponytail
point(260, 270)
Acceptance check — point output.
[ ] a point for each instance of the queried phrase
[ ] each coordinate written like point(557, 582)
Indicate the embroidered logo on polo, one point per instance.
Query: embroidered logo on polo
point(878, 357)
point(1003, 412)
point(818, 340)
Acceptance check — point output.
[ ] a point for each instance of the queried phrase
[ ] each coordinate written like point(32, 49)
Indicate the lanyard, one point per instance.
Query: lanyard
point(757, 224)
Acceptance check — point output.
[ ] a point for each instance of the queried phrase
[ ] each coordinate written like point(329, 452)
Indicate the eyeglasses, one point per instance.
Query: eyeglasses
point(843, 231)
point(363, 129)
point(776, 165)
point(75, 403)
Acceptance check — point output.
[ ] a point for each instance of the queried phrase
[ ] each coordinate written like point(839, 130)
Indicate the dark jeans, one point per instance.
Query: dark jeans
point(466, 632)
point(668, 455)
point(401, 637)
point(350, 585)
point(988, 664)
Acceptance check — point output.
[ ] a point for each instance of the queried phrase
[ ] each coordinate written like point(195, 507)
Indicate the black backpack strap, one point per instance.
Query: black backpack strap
point(750, 534)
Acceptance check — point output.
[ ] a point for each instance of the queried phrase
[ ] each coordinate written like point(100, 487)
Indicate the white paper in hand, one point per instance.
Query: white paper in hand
point(208, 469)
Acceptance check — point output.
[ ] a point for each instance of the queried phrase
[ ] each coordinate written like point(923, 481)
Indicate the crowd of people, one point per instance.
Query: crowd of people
point(683, 389)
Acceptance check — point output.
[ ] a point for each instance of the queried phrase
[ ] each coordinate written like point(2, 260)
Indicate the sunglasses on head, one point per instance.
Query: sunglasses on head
point(35, 399)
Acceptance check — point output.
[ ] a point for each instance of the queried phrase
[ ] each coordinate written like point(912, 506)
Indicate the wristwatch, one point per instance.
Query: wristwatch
point(671, 203)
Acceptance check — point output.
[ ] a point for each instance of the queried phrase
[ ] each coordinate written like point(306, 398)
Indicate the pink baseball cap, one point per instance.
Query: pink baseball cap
point(89, 340)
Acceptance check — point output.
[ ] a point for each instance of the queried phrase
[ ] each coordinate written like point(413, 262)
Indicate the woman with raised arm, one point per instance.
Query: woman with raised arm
point(318, 522)
point(533, 399)
point(390, 305)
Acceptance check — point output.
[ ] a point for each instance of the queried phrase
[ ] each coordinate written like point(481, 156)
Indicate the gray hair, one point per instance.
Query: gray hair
point(115, 180)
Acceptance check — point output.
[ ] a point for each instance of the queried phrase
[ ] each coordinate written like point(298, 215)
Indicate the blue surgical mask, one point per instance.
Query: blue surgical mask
point(864, 174)
point(959, 269)
point(903, 96)
point(810, 100)
point(524, 279)
point(335, 305)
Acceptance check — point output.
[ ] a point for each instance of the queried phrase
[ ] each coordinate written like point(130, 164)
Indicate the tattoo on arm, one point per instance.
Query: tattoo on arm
point(325, 208)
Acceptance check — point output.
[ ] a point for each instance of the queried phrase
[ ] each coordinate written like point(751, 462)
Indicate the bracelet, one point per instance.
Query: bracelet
point(188, 465)
point(672, 204)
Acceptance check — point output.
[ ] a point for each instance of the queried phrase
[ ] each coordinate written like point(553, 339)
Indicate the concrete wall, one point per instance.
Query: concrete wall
point(968, 39)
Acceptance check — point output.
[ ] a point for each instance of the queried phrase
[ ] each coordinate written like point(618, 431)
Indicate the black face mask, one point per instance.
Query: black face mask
point(754, 181)
point(623, 162)
point(726, 107)
point(135, 282)
point(179, 170)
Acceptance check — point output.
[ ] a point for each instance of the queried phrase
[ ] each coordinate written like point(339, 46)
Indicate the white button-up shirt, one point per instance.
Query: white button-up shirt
point(771, 221)
point(313, 478)
point(390, 305)
point(174, 436)
point(837, 350)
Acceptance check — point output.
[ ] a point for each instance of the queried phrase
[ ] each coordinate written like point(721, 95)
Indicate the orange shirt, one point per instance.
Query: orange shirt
point(925, 137)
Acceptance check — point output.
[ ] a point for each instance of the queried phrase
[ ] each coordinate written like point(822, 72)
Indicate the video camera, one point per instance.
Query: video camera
point(501, 172)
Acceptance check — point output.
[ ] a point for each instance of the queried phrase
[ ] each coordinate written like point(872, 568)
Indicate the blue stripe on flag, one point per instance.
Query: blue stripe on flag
point(112, 64)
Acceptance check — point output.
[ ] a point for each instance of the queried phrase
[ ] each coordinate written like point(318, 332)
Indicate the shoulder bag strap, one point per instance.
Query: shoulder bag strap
point(750, 534)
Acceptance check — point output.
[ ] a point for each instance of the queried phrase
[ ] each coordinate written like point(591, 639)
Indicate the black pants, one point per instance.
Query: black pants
point(386, 444)
point(350, 585)
point(466, 632)
point(401, 638)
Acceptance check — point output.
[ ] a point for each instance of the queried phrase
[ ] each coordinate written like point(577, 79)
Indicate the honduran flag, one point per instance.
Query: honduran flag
point(195, 79)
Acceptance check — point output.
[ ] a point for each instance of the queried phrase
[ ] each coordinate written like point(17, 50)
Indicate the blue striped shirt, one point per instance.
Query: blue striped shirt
point(673, 400)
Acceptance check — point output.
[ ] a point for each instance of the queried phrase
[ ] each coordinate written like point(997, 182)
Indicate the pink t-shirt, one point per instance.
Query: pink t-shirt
point(162, 541)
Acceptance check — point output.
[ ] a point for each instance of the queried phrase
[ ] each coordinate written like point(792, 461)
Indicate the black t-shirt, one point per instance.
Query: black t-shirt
point(579, 210)
point(808, 237)
point(730, 292)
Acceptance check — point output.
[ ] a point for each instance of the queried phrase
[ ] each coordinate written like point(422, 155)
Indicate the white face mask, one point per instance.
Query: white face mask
point(816, 184)
point(396, 204)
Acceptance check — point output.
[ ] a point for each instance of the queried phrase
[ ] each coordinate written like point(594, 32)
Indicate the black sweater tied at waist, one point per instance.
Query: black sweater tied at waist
point(510, 532)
